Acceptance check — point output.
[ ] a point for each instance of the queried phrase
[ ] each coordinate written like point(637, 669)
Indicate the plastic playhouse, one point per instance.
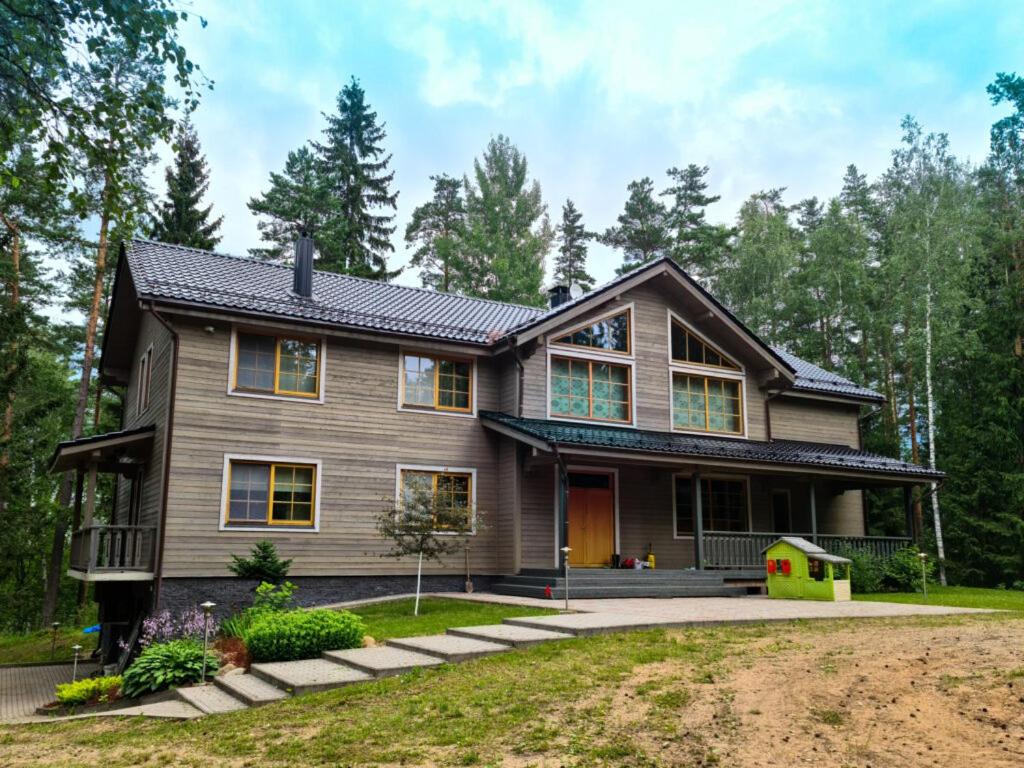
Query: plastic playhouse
point(799, 569)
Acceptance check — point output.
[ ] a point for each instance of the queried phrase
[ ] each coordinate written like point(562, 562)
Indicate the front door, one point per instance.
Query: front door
point(591, 519)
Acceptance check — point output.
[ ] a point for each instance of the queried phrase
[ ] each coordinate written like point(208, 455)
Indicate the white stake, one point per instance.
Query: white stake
point(419, 572)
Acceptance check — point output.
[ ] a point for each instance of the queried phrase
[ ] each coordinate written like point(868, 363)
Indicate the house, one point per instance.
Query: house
point(266, 401)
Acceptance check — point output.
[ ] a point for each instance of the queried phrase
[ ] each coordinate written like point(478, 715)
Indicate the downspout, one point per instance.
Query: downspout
point(168, 434)
point(520, 375)
point(563, 505)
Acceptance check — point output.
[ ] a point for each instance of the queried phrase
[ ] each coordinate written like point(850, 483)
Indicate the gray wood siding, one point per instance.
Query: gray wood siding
point(815, 421)
point(358, 434)
point(538, 517)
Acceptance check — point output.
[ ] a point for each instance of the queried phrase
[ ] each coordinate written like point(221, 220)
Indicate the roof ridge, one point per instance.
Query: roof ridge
point(338, 275)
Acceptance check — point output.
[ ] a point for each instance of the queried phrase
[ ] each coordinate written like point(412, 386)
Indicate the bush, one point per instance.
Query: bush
point(263, 564)
point(866, 571)
point(303, 634)
point(167, 665)
point(268, 599)
point(903, 571)
point(88, 689)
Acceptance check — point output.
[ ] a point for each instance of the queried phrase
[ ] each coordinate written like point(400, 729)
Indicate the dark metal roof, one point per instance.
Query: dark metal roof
point(789, 452)
point(177, 274)
point(126, 439)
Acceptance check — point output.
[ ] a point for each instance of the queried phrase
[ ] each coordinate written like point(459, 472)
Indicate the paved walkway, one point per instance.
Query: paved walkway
point(22, 689)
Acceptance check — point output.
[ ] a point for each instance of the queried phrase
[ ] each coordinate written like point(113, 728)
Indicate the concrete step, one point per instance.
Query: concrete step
point(383, 660)
point(308, 675)
point(451, 648)
point(210, 699)
point(584, 592)
point(509, 634)
point(584, 624)
point(715, 574)
point(249, 688)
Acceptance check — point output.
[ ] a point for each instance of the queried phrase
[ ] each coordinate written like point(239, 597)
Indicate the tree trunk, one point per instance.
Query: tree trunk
point(915, 450)
point(940, 548)
point(7, 431)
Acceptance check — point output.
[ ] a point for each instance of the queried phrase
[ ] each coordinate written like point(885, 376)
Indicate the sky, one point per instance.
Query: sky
point(596, 94)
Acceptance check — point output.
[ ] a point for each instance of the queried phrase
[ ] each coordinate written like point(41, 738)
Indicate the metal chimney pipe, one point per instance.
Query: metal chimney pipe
point(302, 284)
point(558, 295)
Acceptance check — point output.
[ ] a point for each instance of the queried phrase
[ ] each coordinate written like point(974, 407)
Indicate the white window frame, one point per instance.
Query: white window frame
point(225, 494)
point(278, 333)
point(703, 477)
point(142, 392)
point(554, 349)
point(402, 407)
point(706, 371)
point(471, 471)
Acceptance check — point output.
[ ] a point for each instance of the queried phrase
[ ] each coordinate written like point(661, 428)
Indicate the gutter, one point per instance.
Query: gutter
point(168, 435)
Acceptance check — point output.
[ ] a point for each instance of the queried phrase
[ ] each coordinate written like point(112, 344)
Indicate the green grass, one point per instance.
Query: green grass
point(35, 646)
point(960, 597)
point(393, 618)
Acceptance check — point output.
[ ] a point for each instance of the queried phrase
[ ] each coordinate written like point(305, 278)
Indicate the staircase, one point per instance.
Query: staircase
point(612, 583)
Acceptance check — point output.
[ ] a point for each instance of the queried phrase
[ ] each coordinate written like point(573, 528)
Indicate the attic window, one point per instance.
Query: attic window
point(610, 334)
point(687, 347)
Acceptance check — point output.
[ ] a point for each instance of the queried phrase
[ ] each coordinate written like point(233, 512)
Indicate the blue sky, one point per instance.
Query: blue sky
point(768, 94)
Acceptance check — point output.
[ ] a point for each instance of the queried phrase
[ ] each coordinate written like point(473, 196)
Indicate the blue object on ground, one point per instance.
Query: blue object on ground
point(90, 630)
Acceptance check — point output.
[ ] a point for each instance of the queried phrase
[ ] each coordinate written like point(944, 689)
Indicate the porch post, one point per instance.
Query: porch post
point(908, 510)
point(76, 521)
point(90, 495)
point(814, 514)
point(698, 521)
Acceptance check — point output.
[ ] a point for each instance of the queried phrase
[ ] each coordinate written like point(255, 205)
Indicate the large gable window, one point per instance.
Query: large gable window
point(706, 404)
point(437, 383)
point(277, 365)
point(270, 493)
point(723, 502)
point(610, 334)
point(590, 389)
point(687, 347)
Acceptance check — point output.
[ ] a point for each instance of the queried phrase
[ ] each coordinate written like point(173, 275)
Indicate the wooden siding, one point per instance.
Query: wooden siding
point(538, 517)
point(816, 421)
point(358, 433)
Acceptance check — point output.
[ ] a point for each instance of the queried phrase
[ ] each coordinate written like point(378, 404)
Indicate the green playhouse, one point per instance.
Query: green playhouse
point(802, 570)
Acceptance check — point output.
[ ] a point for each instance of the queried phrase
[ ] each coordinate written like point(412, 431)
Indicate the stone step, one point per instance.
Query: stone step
point(585, 624)
point(250, 689)
point(383, 660)
point(210, 699)
point(308, 675)
point(451, 648)
point(587, 592)
point(509, 634)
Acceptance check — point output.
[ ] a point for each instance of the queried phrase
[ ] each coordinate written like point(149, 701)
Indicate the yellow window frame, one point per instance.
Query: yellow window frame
point(277, 364)
point(437, 389)
point(269, 520)
point(629, 335)
point(435, 475)
point(590, 389)
point(707, 404)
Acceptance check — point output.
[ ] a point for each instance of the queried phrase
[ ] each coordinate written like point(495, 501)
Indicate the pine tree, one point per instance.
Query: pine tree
point(643, 232)
point(179, 219)
point(355, 238)
point(439, 228)
point(571, 261)
point(698, 246)
point(296, 204)
point(508, 233)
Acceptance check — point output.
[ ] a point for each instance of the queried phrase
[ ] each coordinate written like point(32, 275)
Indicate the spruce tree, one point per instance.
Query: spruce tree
point(698, 246)
point(508, 233)
point(438, 228)
point(642, 233)
point(353, 164)
point(179, 219)
point(571, 261)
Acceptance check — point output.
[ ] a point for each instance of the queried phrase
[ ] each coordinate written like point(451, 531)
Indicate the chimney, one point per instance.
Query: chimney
point(302, 283)
point(558, 295)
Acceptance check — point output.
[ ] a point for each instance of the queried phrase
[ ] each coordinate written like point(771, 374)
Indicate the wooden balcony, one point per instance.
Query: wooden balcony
point(725, 549)
point(113, 553)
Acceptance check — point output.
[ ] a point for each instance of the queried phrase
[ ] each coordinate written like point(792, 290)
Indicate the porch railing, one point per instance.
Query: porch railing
point(100, 548)
point(726, 549)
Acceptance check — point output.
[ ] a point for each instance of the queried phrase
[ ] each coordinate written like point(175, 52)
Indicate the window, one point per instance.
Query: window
point(145, 379)
point(610, 334)
point(589, 389)
point(267, 493)
point(437, 383)
point(724, 503)
point(687, 347)
point(277, 365)
point(707, 404)
point(451, 494)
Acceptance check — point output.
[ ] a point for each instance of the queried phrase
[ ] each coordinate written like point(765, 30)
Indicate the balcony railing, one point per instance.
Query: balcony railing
point(725, 549)
point(107, 549)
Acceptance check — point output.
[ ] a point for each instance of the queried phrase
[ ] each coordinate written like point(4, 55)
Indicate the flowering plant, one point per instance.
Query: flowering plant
point(164, 626)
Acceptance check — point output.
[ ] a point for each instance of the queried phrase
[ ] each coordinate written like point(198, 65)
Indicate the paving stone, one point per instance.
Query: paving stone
point(210, 699)
point(582, 624)
point(308, 675)
point(451, 648)
point(383, 660)
point(250, 689)
point(509, 634)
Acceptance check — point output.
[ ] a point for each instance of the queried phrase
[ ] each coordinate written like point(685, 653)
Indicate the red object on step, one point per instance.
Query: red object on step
point(547, 592)
point(771, 566)
point(787, 567)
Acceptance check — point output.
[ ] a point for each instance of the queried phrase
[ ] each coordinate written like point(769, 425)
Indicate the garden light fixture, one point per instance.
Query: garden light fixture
point(207, 610)
point(74, 669)
point(565, 557)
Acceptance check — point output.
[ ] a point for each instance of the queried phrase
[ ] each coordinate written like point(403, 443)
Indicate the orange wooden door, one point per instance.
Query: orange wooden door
point(591, 526)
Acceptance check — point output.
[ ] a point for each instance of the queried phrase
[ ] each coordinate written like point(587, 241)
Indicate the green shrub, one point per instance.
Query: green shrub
point(263, 564)
point(268, 599)
point(903, 571)
point(866, 571)
point(302, 634)
point(167, 665)
point(89, 688)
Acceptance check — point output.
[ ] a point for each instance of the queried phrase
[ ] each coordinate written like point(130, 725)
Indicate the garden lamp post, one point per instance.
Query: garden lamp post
point(565, 557)
point(53, 641)
point(74, 669)
point(207, 610)
point(924, 573)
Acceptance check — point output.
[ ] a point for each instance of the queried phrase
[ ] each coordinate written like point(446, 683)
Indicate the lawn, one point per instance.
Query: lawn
point(23, 648)
point(393, 618)
point(960, 597)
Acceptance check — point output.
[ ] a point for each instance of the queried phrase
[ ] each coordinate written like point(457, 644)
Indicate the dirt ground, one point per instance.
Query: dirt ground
point(875, 697)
